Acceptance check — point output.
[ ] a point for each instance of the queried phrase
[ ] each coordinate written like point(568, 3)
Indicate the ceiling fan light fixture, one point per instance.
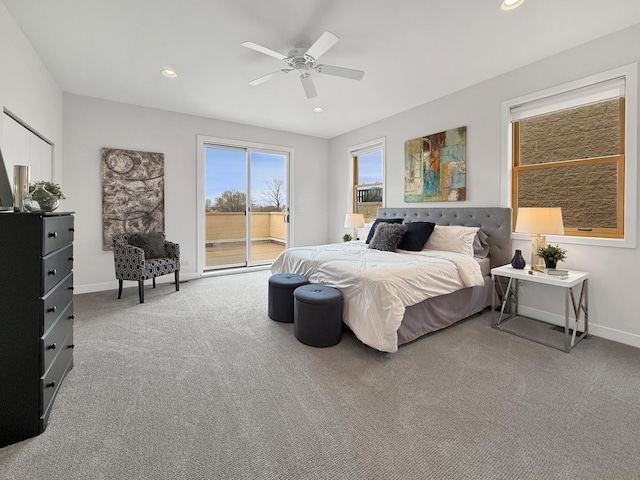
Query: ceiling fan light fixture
point(168, 72)
point(511, 4)
point(303, 60)
point(317, 110)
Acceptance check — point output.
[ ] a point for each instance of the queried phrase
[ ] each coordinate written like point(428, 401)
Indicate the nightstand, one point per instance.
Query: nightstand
point(506, 317)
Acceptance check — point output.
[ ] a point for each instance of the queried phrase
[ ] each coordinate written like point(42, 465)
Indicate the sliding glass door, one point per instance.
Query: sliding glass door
point(246, 206)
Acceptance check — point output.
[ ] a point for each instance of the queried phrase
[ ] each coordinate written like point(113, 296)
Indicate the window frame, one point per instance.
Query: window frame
point(628, 143)
point(619, 160)
point(355, 151)
point(203, 141)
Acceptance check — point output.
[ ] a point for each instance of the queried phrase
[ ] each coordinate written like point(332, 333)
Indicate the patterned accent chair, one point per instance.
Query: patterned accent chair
point(140, 256)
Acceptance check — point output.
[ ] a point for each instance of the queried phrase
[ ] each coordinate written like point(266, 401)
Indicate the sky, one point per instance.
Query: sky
point(225, 169)
point(370, 167)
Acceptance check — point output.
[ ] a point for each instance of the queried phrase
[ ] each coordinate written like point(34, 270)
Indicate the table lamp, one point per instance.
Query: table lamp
point(539, 222)
point(355, 221)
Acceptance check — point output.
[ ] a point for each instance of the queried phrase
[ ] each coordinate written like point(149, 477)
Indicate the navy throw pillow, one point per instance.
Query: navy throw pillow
point(416, 236)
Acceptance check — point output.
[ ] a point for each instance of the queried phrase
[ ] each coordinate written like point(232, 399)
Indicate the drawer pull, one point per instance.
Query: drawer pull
point(53, 272)
point(71, 259)
point(72, 229)
point(71, 346)
point(51, 384)
point(72, 317)
point(53, 234)
point(52, 346)
point(70, 288)
point(52, 309)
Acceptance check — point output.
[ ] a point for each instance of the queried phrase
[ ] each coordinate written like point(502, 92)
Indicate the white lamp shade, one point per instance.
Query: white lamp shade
point(353, 220)
point(541, 221)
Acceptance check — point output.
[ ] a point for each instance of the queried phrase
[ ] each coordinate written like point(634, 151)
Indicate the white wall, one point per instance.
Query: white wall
point(613, 284)
point(90, 124)
point(29, 92)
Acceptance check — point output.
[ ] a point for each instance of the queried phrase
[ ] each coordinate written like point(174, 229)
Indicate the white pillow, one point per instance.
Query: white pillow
point(452, 238)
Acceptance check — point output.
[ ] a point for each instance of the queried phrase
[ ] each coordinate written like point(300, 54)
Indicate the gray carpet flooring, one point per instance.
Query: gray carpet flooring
point(201, 384)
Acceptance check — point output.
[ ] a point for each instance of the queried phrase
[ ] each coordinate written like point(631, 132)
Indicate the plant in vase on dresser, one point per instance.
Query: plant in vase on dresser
point(43, 196)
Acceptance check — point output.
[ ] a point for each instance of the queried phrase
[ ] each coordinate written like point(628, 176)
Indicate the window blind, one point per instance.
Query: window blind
point(368, 149)
point(598, 92)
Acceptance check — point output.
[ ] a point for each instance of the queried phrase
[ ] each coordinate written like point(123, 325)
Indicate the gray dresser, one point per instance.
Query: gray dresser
point(36, 320)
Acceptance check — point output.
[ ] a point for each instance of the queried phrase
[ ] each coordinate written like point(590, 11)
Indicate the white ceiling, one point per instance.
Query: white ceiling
point(412, 51)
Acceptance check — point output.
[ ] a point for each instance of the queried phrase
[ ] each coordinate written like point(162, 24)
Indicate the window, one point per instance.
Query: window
point(368, 179)
point(568, 151)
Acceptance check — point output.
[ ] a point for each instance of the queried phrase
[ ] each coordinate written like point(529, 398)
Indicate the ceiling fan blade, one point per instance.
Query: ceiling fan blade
point(321, 45)
point(340, 71)
point(307, 84)
point(265, 50)
point(263, 79)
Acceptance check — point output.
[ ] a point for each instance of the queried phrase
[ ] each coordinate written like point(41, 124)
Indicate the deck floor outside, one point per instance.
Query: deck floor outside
point(235, 253)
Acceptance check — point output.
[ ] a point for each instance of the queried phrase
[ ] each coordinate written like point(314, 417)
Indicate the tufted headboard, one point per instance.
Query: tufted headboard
point(494, 221)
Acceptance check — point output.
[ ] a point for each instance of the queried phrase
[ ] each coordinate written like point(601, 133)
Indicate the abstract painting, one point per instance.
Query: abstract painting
point(435, 167)
point(132, 193)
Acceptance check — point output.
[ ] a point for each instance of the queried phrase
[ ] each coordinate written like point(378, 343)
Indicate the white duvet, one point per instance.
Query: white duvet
point(377, 286)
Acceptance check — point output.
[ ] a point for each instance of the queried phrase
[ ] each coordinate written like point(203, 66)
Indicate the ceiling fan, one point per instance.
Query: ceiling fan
point(303, 61)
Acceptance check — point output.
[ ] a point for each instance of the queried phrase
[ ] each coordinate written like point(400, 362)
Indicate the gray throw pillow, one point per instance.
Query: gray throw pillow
point(378, 221)
point(152, 243)
point(387, 236)
point(480, 244)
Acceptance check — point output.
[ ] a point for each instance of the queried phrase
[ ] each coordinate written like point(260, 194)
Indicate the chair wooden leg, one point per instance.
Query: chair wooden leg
point(141, 290)
point(177, 280)
point(119, 289)
point(154, 282)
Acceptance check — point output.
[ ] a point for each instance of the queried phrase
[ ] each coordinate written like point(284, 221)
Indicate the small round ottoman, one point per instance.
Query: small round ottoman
point(317, 313)
point(281, 287)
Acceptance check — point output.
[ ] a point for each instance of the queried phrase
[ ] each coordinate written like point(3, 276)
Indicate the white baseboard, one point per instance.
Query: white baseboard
point(101, 287)
point(594, 329)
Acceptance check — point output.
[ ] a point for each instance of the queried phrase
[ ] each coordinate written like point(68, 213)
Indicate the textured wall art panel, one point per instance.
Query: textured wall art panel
point(435, 167)
point(132, 193)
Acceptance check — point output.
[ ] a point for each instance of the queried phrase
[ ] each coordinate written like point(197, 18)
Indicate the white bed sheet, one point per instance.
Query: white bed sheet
point(377, 286)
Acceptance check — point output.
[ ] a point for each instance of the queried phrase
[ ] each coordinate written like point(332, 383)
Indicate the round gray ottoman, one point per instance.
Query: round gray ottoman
point(281, 287)
point(317, 315)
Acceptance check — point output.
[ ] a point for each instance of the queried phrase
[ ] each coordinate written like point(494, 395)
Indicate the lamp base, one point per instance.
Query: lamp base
point(537, 262)
point(355, 234)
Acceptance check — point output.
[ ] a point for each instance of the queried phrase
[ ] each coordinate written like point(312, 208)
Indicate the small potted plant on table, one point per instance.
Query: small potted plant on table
point(552, 255)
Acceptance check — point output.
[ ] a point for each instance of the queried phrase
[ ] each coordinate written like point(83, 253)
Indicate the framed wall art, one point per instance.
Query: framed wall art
point(132, 193)
point(435, 167)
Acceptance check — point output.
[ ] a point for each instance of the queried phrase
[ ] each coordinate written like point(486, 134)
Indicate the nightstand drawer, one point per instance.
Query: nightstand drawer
point(53, 341)
point(56, 266)
point(56, 301)
point(57, 232)
point(51, 381)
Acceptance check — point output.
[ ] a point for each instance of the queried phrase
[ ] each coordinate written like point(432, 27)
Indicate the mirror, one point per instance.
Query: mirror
point(6, 194)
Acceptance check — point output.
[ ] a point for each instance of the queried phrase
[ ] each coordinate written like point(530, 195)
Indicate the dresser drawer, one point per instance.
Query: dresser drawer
point(55, 301)
point(51, 380)
point(56, 266)
point(57, 232)
point(53, 341)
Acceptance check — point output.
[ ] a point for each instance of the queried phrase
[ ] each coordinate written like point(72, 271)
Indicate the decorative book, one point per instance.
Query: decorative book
point(557, 272)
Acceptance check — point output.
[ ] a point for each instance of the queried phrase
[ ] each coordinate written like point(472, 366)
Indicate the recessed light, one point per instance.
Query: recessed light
point(167, 72)
point(511, 4)
point(317, 110)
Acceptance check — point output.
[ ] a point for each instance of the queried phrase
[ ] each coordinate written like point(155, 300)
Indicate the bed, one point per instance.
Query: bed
point(393, 298)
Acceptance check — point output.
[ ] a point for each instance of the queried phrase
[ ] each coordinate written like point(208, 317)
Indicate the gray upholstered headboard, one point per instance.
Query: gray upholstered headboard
point(494, 221)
